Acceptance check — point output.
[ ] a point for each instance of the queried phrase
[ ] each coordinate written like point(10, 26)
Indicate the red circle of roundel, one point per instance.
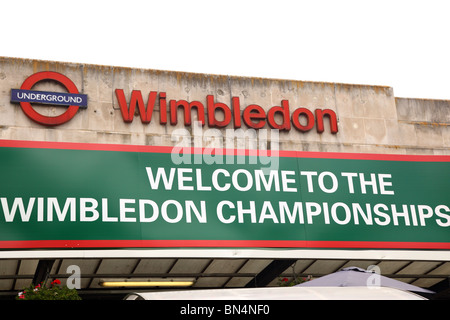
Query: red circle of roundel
point(49, 75)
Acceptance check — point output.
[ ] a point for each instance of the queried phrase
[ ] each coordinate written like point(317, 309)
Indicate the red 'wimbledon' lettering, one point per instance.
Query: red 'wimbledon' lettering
point(253, 116)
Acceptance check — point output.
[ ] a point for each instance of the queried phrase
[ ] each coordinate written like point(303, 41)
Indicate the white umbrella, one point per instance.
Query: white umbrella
point(357, 277)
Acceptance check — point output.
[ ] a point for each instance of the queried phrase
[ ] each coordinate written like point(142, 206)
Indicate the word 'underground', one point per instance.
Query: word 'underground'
point(253, 116)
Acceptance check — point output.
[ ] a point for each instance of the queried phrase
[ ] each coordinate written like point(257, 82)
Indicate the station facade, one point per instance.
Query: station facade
point(217, 181)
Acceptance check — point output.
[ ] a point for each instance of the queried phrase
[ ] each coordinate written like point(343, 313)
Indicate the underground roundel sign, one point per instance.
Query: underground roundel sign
point(26, 96)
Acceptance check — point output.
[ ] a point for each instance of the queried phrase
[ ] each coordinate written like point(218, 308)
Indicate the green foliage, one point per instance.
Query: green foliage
point(52, 292)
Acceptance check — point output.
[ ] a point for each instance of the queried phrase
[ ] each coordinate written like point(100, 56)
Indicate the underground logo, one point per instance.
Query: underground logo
point(25, 96)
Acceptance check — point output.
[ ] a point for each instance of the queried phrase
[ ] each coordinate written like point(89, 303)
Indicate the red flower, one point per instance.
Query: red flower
point(56, 281)
point(285, 280)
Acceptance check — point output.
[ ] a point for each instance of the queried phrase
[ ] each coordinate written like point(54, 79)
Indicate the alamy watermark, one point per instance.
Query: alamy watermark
point(74, 281)
point(230, 146)
point(374, 280)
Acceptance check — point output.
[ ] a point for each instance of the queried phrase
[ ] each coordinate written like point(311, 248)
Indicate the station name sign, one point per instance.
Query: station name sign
point(219, 115)
point(135, 196)
point(215, 114)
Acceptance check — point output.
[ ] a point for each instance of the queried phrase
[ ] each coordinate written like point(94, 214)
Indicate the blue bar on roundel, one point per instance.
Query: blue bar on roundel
point(45, 97)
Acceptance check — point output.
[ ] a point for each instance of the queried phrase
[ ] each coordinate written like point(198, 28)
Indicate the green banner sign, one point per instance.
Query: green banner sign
point(68, 195)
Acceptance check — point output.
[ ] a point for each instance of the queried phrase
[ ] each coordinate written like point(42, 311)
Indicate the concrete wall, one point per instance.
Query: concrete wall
point(370, 118)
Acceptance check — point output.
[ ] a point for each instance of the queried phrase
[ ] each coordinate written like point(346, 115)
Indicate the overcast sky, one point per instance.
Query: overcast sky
point(404, 44)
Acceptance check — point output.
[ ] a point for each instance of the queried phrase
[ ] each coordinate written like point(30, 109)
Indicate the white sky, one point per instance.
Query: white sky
point(400, 43)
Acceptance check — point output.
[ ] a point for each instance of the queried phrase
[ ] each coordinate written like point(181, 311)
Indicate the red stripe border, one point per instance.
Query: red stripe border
point(297, 244)
point(219, 151)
